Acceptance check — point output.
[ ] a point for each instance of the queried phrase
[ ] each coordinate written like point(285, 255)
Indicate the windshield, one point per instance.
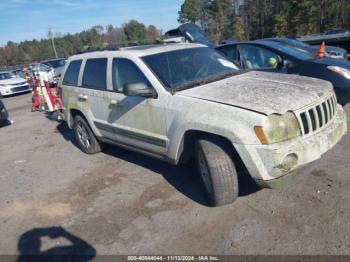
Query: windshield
point(56, 63)
point(293, 51)
point(4, 76)
point(187, 68)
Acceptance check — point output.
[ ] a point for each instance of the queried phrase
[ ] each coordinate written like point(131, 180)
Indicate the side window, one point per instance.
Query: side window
point(72, 73)
point(95, 74)
point(126, 72)
point(230, 52)
point(255, 57)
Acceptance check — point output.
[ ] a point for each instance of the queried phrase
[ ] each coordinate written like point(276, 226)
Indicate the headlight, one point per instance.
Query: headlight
point(278, 128)
point(3, 85)
point(340, 71)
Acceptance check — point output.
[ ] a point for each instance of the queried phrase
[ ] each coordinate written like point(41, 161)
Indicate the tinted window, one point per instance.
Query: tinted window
point(126, 72)
point(72, 73)
point(255, 57)
point(187, 68)
point(230, 52)
point(95, 74)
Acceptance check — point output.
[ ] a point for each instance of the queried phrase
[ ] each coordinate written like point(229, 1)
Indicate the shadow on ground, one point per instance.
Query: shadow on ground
point(183, 178)
point(32, 242)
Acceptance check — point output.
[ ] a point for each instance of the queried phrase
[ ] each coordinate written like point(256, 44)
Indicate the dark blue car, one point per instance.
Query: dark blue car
point(271, 56)
point(276, 57)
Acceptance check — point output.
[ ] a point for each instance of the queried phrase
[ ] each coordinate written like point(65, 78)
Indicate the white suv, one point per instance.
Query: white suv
point(181, 100)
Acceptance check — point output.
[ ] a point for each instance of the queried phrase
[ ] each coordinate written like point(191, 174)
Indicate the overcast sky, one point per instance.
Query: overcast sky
point(28, 19)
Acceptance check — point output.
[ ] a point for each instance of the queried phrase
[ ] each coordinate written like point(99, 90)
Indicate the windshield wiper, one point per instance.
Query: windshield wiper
point(205, 81)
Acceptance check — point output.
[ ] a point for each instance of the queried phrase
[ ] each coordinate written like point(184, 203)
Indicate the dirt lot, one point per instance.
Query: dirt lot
point(119, 202)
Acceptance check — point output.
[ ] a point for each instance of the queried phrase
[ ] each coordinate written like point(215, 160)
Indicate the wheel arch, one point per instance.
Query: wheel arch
point(73, 112)
point(189, 138)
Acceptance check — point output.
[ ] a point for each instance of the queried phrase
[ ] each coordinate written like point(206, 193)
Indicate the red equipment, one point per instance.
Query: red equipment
point(55, 100)
point(37, 102)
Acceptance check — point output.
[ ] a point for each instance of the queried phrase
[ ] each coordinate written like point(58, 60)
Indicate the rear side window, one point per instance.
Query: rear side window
point(95, 74)
point(72, 74)
point(126, 72)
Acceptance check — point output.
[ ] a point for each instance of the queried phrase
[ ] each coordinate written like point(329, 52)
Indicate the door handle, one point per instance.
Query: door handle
point(83, 98)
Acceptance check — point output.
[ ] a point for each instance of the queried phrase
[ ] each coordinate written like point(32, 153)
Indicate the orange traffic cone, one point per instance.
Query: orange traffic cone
point(322, 51)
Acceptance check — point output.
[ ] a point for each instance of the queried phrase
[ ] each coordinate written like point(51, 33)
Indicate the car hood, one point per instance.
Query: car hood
point(12, 81)
point(333, 62)
point(266, 93)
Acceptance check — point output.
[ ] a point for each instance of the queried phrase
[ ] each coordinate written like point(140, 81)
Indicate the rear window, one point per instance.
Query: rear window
point(72, 73)
point(95, 74)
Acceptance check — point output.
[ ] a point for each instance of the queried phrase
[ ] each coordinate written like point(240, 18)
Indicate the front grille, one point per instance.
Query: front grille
point(317, 117)
point(20, 88)
point(18, 84)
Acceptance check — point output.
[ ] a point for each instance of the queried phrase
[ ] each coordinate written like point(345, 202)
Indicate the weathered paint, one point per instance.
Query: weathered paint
point(230, 108)
point(263, 92)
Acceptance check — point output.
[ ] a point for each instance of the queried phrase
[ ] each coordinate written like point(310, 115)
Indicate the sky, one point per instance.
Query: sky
point(30, 19)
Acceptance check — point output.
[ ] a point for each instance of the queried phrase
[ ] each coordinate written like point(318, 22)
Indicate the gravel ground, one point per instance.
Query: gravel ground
point(118, 202)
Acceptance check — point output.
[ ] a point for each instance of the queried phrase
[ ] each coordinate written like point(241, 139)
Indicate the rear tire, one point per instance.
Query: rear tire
point(217, 171)
point(86, 139)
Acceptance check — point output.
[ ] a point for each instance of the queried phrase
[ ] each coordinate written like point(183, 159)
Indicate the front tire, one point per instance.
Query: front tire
point(217, 171)
point(86, 139)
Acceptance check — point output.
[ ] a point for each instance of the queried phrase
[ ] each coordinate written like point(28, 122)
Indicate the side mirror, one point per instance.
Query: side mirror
point(139, 89)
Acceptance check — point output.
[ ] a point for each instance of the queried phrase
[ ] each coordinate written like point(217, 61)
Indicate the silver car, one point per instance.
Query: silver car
point(11, 84)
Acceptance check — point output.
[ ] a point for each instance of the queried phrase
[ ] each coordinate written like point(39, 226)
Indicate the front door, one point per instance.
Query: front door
point(137, 121)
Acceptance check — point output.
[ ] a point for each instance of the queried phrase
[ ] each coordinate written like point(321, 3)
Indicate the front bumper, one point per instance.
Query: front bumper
point(271, 165)
point(12, 90)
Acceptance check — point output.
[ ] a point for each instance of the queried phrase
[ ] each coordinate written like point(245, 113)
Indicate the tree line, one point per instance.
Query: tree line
point(95, 38)
point(254, 19)
point(221, 19)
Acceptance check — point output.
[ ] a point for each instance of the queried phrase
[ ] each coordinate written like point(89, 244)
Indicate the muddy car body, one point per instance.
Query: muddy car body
point(178, 100)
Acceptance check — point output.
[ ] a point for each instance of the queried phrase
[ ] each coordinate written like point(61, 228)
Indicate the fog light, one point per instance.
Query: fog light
point(289, 162)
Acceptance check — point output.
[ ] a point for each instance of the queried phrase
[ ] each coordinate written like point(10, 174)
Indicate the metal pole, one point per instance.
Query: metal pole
point(53, 42)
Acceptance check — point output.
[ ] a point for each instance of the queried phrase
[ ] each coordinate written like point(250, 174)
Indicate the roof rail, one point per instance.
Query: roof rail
point(97, 49)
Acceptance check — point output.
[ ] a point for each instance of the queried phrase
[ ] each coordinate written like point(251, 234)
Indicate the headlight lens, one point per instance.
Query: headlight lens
point(340, 71)
point(278, 128)
point(3, 85)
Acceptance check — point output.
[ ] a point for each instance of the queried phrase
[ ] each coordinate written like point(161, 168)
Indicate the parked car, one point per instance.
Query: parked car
point(57, 65)
point(44, 71)
point(337, 31)
point(18, 73)
point(275, 57)
point(11, 84)
point(176, 101)
point(3, 115)
point(263, 55)
point(331, 51)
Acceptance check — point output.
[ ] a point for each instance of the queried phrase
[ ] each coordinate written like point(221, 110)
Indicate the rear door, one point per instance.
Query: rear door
point(94, 97)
